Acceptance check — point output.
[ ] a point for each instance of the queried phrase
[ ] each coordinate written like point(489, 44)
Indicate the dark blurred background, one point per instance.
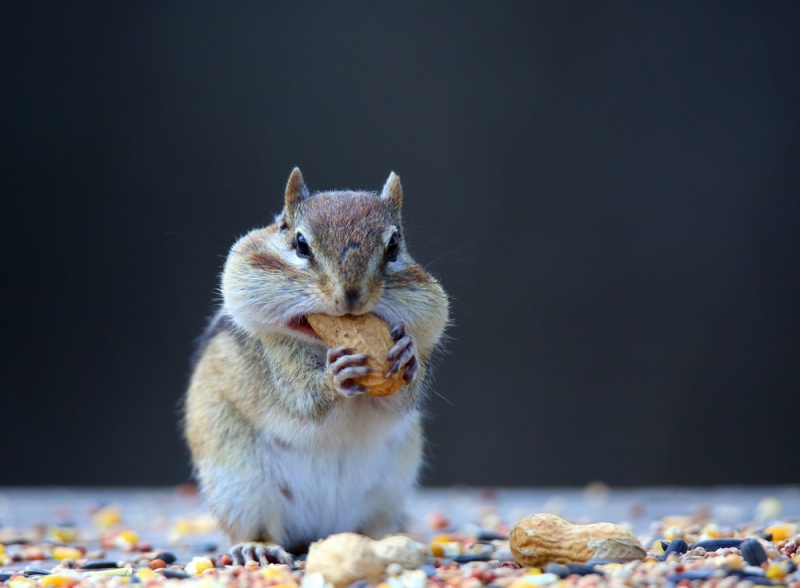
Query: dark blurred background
point(609, 191)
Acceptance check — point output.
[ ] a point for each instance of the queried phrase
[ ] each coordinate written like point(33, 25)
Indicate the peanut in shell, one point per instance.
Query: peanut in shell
point(543, 538)
point(365, 333)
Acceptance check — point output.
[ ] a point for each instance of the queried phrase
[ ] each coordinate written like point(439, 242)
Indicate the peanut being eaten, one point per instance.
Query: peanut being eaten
point(365, 333)
point(543, 538)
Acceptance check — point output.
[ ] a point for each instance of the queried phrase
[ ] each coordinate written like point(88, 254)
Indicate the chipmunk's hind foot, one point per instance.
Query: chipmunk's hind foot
point(261, 553)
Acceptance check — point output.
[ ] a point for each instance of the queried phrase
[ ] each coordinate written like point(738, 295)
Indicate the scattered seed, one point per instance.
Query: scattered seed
point(99, 564)
point(174, 574)
point(677, 546)
point(167, 557)
point(715, 544)
point(753, 552)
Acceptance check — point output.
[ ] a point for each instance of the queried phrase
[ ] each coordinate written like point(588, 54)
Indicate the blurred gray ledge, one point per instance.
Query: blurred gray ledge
point(151, 512)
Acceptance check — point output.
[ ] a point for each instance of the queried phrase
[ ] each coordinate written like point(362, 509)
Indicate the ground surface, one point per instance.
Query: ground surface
point(134, 524)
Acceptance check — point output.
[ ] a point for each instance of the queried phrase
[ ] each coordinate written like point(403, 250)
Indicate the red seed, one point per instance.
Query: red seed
point(437, 521)
point(157, 564)
point(225, 560)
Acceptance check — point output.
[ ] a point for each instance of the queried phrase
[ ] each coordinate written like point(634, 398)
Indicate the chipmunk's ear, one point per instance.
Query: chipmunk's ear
point(296, 192)
point(392, 193)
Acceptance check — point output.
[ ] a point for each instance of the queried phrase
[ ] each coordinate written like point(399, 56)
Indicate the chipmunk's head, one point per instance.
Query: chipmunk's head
point(329, 252)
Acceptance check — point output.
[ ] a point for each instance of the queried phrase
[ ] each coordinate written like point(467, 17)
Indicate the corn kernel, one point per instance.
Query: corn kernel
point(657, 548)
point(60, 580)
point(107, 517)
point(277, 572)
point(146, 574)
point(280, 573)
point(776, 571)
point(768, 509)
point(781, 532)
point(711, 531)
point(63, 534)
point(533, 580)
point(198, 565)
point(126, 541)
point(2, 549)
point(61, 553)
point(438, 548)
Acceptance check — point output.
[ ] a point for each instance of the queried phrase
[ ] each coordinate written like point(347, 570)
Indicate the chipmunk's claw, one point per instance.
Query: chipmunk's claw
point(404, 354)
point(262, 553)
point(345, 366)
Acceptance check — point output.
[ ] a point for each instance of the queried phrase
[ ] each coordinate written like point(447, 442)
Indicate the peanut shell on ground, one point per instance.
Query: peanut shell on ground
point(540, 539)
point(345, 558)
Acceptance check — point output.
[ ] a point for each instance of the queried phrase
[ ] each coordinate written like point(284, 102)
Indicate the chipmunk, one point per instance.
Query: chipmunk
point(286, 446)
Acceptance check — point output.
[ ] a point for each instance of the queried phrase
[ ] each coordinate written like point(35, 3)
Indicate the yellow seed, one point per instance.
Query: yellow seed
point(781, 532)
point(198, 565)
point(146, 574)
point(657, 548)
point(107, 517)
point(61, 553)
point(2, 549)
point(63, 534)
point(776, 571)
point(129, 536)
point(711, 531)
point(768, 509)
point(60, 579)
point(293, 585)
point(127, 540)
point(436, 544)
point(673, 533)
point(534, 571)
point(21, 582)
point(526, 580)
point(277, 572)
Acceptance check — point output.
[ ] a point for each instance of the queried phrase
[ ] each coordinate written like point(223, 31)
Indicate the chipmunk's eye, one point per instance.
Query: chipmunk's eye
point(302, 247)
point(392, 247)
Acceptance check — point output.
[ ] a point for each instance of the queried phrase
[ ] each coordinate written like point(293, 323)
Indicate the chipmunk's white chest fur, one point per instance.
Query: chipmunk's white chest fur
point(309, 481)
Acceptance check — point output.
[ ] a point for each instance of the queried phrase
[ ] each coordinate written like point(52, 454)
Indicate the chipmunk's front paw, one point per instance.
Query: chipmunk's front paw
point(262, 553)
point(345, 366)
point(404, 354)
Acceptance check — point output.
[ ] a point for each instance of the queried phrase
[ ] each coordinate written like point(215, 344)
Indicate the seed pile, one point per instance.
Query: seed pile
point(681, 551)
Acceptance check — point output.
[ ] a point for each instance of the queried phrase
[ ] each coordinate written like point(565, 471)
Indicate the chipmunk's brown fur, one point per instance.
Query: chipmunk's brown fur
point(286, 448)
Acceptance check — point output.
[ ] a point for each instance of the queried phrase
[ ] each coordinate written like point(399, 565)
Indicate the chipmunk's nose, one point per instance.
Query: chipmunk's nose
point(352, 296)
